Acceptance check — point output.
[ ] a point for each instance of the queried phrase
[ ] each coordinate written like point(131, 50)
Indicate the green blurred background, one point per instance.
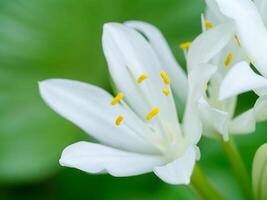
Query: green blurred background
point(42, 39)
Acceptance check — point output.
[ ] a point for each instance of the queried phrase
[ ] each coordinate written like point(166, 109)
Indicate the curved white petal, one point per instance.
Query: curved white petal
point(260, 109)
point(180, 170)
point(96, 158)
point(213, 13)
point(241, 78)
point(89, 107)
point(208, 44)
point(163, 52)
point(214, 120)
point(244, 123)
point(262, 8)
point(129, 56)
point(198, 79)
point(251, 30)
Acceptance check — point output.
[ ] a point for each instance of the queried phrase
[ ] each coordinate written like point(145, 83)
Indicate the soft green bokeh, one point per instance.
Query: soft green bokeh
point(42, 39)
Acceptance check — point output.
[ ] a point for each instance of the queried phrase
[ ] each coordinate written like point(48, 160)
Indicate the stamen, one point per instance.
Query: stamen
point(117, 99)
point(206, 88)
point(228, 59)
point(152, 113)
point(249, 60)
point(208, 24)
point(165, 77)
point(237, 40)
point(119, 120)
point(166, 91)
point(141, 78)
point(185, 45)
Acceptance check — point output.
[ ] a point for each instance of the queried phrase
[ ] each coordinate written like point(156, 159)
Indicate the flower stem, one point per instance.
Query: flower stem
point(201, 185)
point(238, 166)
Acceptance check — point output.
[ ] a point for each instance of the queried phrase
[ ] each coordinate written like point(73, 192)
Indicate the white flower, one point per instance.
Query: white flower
point(249, 20)
point(138, 129)
point(217, 115)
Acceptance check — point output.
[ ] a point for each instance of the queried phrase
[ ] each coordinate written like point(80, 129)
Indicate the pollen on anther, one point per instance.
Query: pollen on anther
point(185, 45)
point(166, 91)
point(237, 40)
point(117, 99)
point(141, 78)
point(165, 78)
point(228, 59)
point(208, 24)
point(152, 113)
point(119, 120)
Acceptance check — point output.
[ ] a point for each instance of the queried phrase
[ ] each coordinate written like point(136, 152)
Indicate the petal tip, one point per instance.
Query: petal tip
point(109, 26)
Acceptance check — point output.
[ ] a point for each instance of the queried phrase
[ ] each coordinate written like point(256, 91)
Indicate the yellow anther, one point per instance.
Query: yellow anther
point(117, 99)
point(237, 40)
point(185, 45)
point(119, 120)
point(141, 78)
point(249, 60)
point(152, 113)
point(165, 78)
point(208, 24)
point(166, 91)
point(228, 59)
point(206, 88)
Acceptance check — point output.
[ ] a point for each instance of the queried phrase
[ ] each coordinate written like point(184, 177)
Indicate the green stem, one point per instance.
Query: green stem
point(238, 167)
point(201, 185)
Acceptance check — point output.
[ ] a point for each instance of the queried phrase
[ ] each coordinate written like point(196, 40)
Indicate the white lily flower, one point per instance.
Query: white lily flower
point(226, 53)
point(253, 36)
point(138, 129)
point(250, 21)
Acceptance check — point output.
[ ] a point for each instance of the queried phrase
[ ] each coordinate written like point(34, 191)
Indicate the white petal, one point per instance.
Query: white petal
point(198, 79)
point(214, 120)
point(244, 123)
point(241, 78)
point(163, 52)
point(260, 109)
point(227, 105)
point(208, 44)
point(262, 8)
point(96, 158)
point(89, 108)
point(129, 55)
point(250, 28)
point(180, 170)
point(213, 13)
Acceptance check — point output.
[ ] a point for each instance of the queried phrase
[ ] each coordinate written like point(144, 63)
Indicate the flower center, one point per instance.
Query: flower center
point(154, 111)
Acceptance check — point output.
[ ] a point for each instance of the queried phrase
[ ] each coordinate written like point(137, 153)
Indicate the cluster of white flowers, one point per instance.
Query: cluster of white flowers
point(138, 127)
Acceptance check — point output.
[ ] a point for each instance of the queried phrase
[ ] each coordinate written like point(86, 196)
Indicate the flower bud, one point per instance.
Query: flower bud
point(259, 173)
